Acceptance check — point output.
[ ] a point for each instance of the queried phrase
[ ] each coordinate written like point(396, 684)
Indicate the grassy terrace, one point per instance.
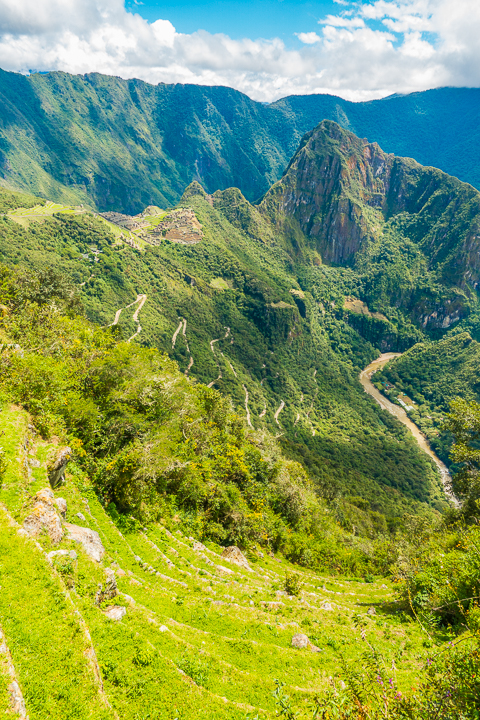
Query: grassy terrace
point(197, 640)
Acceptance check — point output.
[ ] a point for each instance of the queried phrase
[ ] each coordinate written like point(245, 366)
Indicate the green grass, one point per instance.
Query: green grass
point(206, 648)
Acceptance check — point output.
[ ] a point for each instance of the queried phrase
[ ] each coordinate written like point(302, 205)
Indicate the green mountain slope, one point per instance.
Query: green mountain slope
point(248, 306)
point(196, 634)
point(124, 144)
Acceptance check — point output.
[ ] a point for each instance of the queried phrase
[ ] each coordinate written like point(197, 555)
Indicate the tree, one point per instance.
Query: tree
point(463, 421)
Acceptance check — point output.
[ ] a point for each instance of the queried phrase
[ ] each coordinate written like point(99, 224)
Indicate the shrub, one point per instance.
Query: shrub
point(293, 584)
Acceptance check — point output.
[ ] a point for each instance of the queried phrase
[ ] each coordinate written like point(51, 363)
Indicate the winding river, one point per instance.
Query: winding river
point(401, 415)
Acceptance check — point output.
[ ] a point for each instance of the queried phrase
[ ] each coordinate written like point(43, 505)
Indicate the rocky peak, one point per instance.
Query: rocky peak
point(339, 189)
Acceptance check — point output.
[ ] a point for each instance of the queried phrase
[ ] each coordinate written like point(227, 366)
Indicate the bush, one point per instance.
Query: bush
point(293, 584)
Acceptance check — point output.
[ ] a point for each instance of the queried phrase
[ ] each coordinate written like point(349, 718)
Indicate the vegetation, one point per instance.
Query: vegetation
point(211, 399)
point(121, 145)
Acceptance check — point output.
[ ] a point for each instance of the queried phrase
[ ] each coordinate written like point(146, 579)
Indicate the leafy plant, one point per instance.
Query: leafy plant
point(293, 583)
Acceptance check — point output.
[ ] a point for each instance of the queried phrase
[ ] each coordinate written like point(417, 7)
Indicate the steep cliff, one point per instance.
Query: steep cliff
point(341, 195)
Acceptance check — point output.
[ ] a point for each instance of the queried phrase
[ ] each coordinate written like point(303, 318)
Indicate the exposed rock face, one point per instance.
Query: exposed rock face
point(61, 504)
point(44, 517)
point(300, 641)
point(236, 556)
point(56, 469)
point(335, 179)
point(88, 538)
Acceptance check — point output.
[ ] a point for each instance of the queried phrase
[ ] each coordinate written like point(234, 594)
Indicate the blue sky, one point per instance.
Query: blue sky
point(250, 18)
point(266, 48)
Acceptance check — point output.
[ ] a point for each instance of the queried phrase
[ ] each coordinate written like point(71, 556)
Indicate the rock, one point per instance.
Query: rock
point(163, 628)
point(315, 649)
point(16, 699)
point(116, 612)
point(222, 570)
point(300, 641)
point(44, 517)
point(326, 606)
point(81, 517)
point(61, 504)
point(371, 611)
point(129, 599)
point(383, 587)
point(34, 463)
point(236, 556)
point(198, 547)
point(138, 559)
point(56, 469)
point(90, 539)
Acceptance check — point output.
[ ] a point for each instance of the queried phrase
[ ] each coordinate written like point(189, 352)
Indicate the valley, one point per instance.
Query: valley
point(211, 504)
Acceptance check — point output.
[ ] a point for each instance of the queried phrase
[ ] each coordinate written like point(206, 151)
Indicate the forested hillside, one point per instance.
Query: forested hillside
point(122, 145)
point(248, 306)
point(202, 513)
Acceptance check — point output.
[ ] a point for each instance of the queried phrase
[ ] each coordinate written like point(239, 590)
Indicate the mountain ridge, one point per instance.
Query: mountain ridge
point(121, 145)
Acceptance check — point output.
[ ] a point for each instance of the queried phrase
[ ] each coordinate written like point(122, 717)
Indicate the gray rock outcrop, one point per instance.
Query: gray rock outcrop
point(44, 517)
point(61, 504)
point(56, 469)
point(90, 539)
point(235, 555)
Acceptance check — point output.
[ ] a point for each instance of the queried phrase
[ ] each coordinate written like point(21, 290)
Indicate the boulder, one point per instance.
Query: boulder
point(115, 612)
point(81, 517)
point(56, 469)
point(90, 539)
point(371, 611)
point(300, 641)
point(61, 504)
point(44, 517)
point(233, 554)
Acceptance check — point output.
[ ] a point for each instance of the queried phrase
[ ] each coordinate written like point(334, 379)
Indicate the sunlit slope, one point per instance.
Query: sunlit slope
point(231, 311)
point(201, 636)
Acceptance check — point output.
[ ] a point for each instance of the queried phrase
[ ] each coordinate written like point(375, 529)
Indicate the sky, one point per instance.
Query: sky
point(265, 48)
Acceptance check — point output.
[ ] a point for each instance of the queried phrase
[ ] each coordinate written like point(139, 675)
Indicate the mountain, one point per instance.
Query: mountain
point(280, 304)
point(122, 145)
point(162, 552)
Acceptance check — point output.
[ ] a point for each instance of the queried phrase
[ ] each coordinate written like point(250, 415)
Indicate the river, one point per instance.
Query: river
point(401, 415)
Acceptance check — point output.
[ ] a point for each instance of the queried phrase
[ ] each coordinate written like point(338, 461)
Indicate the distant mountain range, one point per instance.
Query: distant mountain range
point(121, 145)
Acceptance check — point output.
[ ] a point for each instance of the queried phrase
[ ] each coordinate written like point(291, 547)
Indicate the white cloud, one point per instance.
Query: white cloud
point(346, 22)
point(309, 38)
point(367, 50)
